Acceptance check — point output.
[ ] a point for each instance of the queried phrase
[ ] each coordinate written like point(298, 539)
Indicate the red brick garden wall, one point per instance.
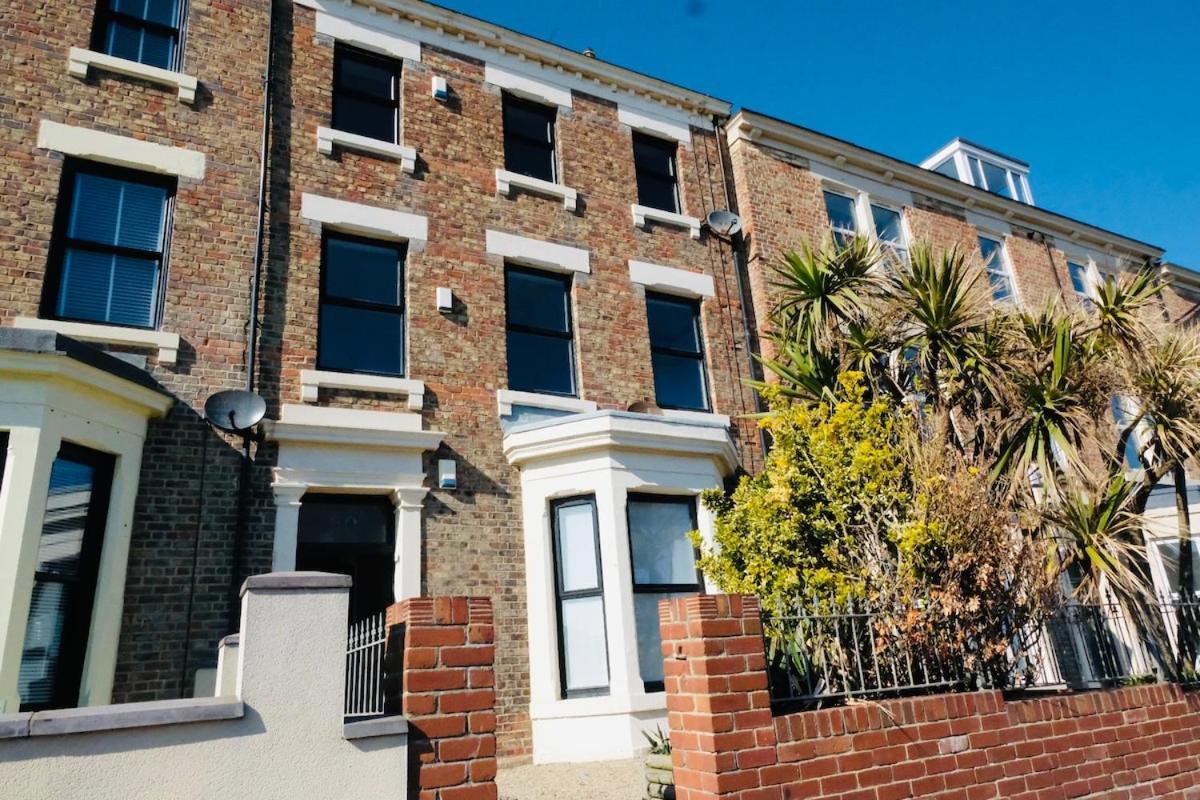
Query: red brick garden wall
point(1136, 742)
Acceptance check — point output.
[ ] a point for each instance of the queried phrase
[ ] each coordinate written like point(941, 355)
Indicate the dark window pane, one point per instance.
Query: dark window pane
point(1078, 278)
point(534, 160)
point(679, 382)
point(997, 179)
point(134, 290)
point(538, 301)
point(368, 118)
point(530, 121)
point(538, 363)
point(104, 287)
point(361, 340)
point(887, 224)
point(656, 192)
point(653, 155)
point(335, 519)
point(163, 12)
point(841, 212)
point(123, 41)
point(359, 270)
point(350, 535)
point(673, 323)
point(365, 75)
point(117, 212)
point(158, 49)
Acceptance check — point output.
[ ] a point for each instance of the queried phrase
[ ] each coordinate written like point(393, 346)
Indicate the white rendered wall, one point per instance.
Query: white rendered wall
point(288, 744)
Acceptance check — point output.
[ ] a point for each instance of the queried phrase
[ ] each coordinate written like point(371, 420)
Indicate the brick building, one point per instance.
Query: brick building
point(501, 351)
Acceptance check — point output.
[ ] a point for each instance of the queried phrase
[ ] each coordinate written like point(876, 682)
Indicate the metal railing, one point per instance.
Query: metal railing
point(824, 654)
point(365, 645)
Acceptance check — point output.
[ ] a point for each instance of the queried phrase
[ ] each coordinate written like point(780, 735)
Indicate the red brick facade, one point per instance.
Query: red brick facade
point(448, 695)
point(1136, 742)
point(184, 557)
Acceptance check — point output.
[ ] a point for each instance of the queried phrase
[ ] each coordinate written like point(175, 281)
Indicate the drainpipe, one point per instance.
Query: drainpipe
point(737, 244)
point(242, 523)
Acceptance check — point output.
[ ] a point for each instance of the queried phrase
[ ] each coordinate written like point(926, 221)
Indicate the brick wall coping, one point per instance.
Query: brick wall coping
point(295, 581)
point(370, 728)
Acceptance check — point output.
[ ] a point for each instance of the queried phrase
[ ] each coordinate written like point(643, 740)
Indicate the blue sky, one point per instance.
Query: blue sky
point(1101, 98)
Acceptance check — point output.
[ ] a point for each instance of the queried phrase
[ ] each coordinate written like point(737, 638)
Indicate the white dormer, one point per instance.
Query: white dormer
point(986, 169)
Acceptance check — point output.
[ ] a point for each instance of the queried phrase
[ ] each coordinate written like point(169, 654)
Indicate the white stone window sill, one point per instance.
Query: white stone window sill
point(80, 60)
point(505, 181)
point(167, 343)
point(695, 416)
point(507, 398)
point(644, 214)
point(93, 719)
point(328, 137)
point(312, 380)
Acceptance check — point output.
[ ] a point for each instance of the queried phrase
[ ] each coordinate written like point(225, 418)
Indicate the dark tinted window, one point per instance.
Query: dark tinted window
point(541, 355)
point(366, 94)
point(351, 535)
point(654, 161)
point(529, 138)
point(146, 31)
point(361, 326)
point(64, 585)
point(109, 241)
point(677, 352)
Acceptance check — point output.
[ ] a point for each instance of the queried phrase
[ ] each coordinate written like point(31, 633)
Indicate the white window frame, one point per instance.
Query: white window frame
point(864, 219)
point(1015, 178)
point(1014, 296)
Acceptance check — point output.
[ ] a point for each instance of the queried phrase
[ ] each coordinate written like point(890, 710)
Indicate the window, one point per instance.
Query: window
point(529, 138)
point(366, 94)
point(677, 352)
point(997, 179)
point(997, 269)
point(351, 535)
point(64, 587)
point(664, 566)
point(889, 229)
point(361, 325)
point(541, 350)
point(840, 209)
point(146, 31)
point(1124, 412)
point(1081, 283)
point(1168, 552)
point(579, 587)
point(109, 246)
point(654, 162)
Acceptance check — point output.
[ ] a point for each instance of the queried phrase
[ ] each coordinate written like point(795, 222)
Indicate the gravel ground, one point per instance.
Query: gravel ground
point(599, 780)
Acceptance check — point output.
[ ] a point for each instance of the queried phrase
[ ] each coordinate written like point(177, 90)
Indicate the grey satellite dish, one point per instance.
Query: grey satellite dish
point(724, 223)
point(235, 410)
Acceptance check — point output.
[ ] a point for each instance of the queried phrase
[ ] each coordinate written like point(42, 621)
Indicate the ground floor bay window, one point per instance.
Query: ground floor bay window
point(72, 424)
point(608, 500)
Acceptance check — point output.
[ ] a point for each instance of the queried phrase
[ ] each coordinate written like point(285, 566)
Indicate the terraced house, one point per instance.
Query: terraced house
point(471, 273)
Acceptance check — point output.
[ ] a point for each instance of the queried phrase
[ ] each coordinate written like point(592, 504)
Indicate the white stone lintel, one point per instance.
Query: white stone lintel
point(505, 181)
point(536, 253)
point(644, 214)
point(122, 151)
point(312, 380)
point(382, 223)
point(671, 280)
point(327, 138)
point(79, 61)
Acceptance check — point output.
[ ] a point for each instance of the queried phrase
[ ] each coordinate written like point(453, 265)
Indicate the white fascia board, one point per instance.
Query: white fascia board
point(793, 139)
point(367, 37)
point(384, 223)
point(565, 69)
point(676, 128)
point(851, 183)
point(671, 280)
point(121, 151)
point(534, 252)
point(527, 86)
point(79, 61)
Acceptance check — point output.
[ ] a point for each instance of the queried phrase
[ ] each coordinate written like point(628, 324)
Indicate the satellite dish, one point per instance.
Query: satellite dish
point(235, 410)
point(724, 223)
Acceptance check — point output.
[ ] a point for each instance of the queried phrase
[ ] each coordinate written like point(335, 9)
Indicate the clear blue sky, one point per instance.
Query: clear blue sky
point(1101, 98)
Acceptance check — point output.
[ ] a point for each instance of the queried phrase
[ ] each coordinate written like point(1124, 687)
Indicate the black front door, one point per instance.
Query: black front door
point(351, 535)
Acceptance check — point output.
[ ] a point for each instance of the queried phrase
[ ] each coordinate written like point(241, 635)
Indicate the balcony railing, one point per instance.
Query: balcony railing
point(824, 654)
point(365, 645)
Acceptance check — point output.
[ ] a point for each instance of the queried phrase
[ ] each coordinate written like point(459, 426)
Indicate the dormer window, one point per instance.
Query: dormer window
point(984, 169)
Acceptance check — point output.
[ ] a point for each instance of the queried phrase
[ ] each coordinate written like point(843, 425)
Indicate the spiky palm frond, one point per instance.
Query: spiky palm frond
point(823, 290)
point(1120, 305)
point(1164, 377)
point(801, 372)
